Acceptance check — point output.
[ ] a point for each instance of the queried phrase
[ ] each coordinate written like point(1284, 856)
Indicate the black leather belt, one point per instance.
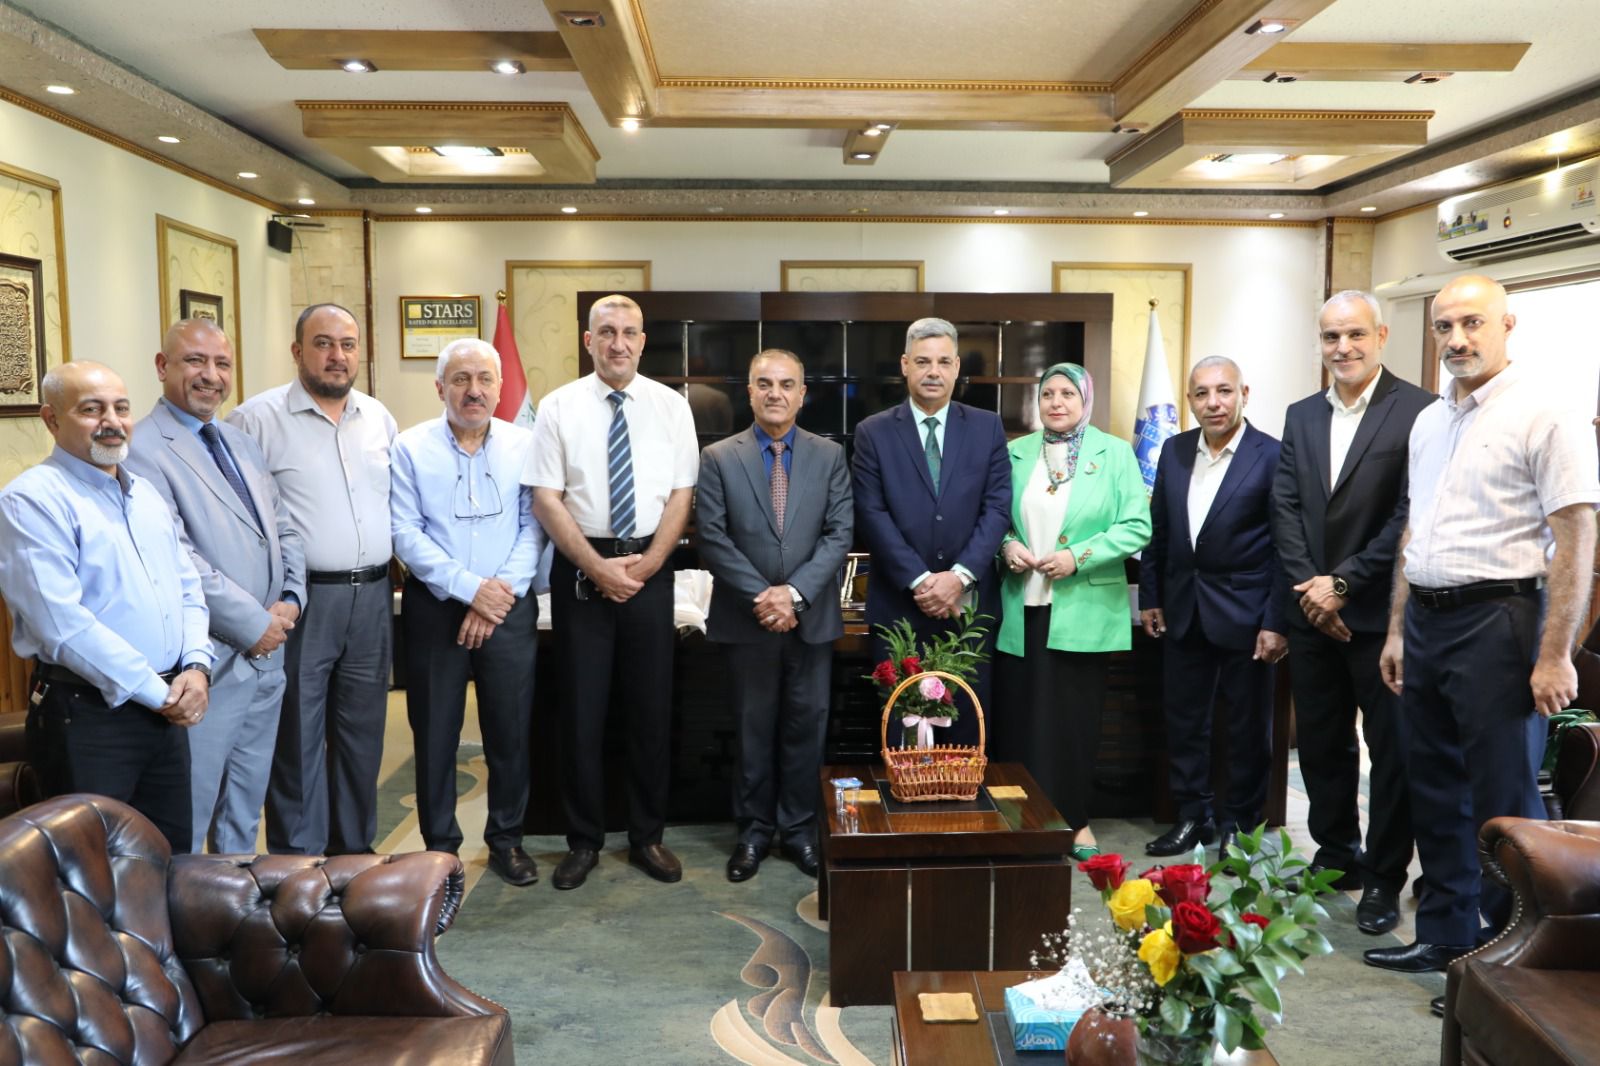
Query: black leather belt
point(1478, 592)
point(621, 545)
point(349, 577)
point(60, 675)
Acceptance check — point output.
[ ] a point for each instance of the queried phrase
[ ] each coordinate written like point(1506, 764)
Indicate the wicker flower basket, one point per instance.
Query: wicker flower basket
point(942, 772)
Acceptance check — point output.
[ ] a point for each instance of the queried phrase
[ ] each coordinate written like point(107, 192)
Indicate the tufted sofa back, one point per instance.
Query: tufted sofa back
point(89, 960)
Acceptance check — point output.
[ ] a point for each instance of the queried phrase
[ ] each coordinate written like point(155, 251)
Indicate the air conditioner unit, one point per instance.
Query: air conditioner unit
point(1539, 214)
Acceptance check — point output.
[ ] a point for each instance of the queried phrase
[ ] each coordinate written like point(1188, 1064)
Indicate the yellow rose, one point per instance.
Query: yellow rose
point(1128, 902)
point(1160, 952)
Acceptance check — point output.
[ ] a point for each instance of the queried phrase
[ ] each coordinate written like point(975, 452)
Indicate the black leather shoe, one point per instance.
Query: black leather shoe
point(805, 856)
point(1414, 958)
point(1229, 836)
point(1182, 838)
point(515, 866)
point(1436, 1006)
point(1378, 911)
point(657, 861)
point(745, 861)
point(575, 868)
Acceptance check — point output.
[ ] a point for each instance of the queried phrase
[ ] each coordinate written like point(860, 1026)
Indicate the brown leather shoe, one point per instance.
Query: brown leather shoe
point(657, 861)
point(513, 865)
point(574, 868)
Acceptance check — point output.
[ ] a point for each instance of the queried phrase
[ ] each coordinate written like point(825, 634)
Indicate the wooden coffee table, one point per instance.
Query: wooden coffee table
point(938, 886)
point(988, 1041)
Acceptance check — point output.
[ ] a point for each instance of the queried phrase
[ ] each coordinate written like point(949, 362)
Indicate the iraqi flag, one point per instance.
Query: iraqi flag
point(516, 406)
point(1156, 418)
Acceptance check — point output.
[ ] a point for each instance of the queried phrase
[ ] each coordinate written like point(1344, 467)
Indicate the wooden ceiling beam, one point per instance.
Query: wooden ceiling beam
point(1206, 48)
point(454, 50)
point(613, 55)
point(1068, 109)
point(1379, 62)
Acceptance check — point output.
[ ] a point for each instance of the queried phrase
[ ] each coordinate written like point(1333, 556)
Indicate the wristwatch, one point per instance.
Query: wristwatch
point(1341, 587)
point(798, 600)
point(202, 667)
point(967, 583)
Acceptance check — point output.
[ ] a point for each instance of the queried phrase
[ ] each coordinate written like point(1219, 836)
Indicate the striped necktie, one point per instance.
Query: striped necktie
point(780, 485)
point(619, 464)
point(931, 449)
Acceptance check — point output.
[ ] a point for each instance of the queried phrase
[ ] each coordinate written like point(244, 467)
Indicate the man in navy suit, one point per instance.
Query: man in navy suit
point(932, 484)
point(1206, 582)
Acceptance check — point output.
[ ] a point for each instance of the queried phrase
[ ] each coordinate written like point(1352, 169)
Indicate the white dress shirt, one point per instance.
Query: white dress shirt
point(1043, 515)
point(333, 476)
point(1207, 478)
point(1485, 471)
point(569, 450)
point(1346, 420)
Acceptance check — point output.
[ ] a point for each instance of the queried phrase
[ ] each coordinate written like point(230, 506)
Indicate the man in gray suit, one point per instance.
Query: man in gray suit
point(775, 518)
point(252, 570)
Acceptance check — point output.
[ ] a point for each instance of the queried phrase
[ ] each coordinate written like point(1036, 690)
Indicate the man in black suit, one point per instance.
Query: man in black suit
point(1338, 506)
point(775, 519)
point(1206, 581)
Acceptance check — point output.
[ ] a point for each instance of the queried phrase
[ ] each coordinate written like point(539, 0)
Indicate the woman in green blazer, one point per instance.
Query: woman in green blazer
point(1078, 509)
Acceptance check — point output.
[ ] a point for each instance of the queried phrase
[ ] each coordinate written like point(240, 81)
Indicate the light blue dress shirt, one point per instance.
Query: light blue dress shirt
point(91, 568)
point(194, 425)
point(458, 519)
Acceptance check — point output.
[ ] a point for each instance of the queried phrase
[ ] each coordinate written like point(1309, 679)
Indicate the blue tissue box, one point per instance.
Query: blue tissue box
point(1035, 1029)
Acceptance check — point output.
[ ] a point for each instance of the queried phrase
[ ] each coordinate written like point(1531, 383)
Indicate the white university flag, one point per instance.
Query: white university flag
point(1156, 418)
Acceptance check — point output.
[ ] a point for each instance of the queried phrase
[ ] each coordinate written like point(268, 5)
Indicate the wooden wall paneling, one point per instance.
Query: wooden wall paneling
point(14, 670)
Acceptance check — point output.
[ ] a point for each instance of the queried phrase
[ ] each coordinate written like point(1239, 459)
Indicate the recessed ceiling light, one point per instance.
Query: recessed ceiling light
point(1002, 211)
point(465, 151)
point(1140, 214)
point(424, 210)
point(1428, 77)
point(859, 210)
point(569, 210)
point(1248, 159)
point(60, 90)
point(583, 20)
point(248, 174)
point(358, 66)
point(1367, 210)
point(885, 126)
point(507, 66)
point(630, 125)
point(872, 131)
point(714, 210)
point(167, 138)
point(1276, 214)
point(1269, 25)
point(860, 155)
point(305, 201)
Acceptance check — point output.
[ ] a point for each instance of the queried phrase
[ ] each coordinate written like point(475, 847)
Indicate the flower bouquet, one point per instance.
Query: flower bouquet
point(1190, 967)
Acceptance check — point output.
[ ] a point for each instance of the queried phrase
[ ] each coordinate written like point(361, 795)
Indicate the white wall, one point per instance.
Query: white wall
point(1255, 289)
point(110, 199)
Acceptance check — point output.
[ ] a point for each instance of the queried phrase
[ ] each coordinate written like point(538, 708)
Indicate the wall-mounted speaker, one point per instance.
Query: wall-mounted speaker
point(279, 236)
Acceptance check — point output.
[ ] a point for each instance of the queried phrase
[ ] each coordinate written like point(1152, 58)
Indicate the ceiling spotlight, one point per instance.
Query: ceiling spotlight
point(872, 131)
point(860, 155)
point(305, 201)
point(507, 66)
point(714, 210)
point(1276, 214)
point(860, 210)
point(1281, 77)
point(884, 126)
point(248, 174)
point(1002, 210)
point(358, 66)
point(60, 90)
point(167, 138)
point(1141, 214)
point(465, 151)
point(1367, 210)
point(583, 20)
point(1269, 26)
point(1129, 127)
point(569, 210)
point(1428, 77)
point(424, 210)
point(630, 125)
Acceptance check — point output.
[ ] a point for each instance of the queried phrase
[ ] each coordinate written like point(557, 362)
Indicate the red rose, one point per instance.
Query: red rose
point(1194, 927)
point(884, 673)
point(949, 696)
point(911, 665)
point(1105, 872)
point(1258, 920)
point(1185, 883)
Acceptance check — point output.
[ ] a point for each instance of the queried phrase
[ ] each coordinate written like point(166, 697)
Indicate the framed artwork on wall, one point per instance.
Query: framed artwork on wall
point(192, 304)
point(198, 277)
point(22, 347)
point(33, 292)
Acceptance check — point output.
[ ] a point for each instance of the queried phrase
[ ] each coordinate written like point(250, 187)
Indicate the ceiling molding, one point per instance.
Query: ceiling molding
point(393, 50)
point(859, 219)
point(1369, 61)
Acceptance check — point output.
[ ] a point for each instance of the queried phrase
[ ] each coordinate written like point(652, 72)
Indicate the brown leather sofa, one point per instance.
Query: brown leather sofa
point(1528, 998)
point(116, 952)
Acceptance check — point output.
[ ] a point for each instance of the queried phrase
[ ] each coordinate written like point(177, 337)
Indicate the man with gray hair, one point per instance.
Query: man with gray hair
point(932, 485)
point(464, 528)
point(1338, 506)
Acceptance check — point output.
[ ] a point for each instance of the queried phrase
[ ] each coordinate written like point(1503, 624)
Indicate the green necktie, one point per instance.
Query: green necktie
point(932, 449)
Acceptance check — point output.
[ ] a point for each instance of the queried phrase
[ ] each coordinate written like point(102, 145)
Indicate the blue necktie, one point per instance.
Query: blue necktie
point(213, 438)
point(619, 463)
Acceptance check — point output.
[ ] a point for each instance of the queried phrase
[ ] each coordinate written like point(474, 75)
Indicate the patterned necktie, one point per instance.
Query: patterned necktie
point(780, 484)
point(931, 450)
point(213, 438)
point(619, 462)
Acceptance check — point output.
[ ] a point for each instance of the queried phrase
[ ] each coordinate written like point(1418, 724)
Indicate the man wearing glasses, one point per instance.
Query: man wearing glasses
point(464, 527)
point(327, 445)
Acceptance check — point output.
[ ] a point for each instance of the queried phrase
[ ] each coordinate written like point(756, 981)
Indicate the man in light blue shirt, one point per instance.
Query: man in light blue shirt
point(463, 525)
point(108, 603)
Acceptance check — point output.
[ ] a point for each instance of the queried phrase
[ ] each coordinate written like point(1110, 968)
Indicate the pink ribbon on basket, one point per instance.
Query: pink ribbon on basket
point(925, 726)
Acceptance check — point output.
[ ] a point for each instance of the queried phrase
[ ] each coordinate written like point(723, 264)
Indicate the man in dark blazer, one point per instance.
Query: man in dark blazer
point(774, 515)
point(1206, 584)
point(933, 500)
point(1338, 508)
point(252, 570)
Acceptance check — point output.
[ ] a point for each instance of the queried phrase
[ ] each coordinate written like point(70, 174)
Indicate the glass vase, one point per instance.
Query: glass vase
point(1166, 1049)
point(1102, 1039)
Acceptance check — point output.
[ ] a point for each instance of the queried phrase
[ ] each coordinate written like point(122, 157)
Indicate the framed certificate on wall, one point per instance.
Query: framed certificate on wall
point(429, 323)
